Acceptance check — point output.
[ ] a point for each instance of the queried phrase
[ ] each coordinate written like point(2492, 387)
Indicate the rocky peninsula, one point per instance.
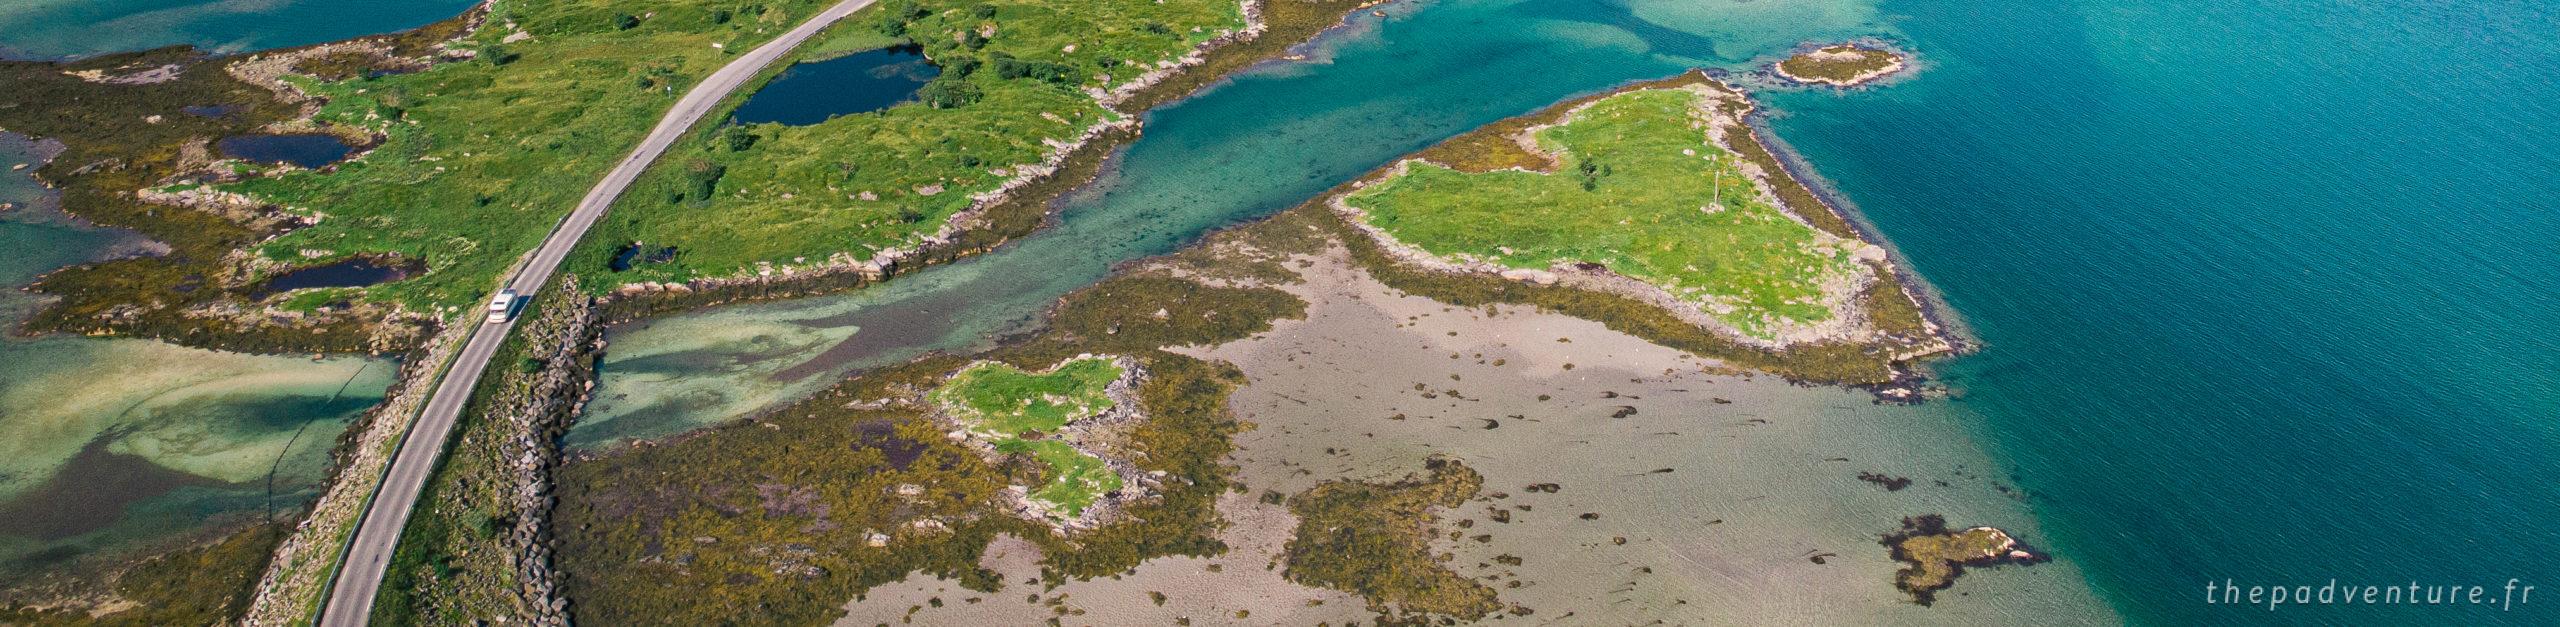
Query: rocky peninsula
point(1645, 205)
point(1842, 65)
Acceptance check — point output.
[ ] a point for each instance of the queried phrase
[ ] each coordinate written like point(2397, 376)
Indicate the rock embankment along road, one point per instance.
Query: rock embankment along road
point(359, 577)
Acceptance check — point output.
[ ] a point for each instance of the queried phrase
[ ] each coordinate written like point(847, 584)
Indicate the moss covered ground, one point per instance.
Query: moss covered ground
point(1074, 479)
point(1933, 556)
point(1017, 408)
point(121, 137)
point(775, 517)
point(1003, 400)
point(1374, 539)
point(1643, 193)
point(206, 584)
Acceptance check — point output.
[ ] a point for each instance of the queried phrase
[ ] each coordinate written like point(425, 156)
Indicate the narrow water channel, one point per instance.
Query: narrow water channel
point(1270, 139)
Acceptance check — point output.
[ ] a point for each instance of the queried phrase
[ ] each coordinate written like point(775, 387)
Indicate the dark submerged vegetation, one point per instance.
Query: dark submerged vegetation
point(1374, 539)
point(1934, 557)
point(779, 515)
point(208, 583)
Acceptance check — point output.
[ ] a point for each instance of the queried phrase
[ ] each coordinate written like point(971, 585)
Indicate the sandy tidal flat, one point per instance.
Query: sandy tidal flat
point(1725, 487)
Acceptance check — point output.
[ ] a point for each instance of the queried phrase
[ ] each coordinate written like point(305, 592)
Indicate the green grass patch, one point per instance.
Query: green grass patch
point(1074, 478)
point(839, 42)
point(1014, 88)
point(1638, 189)
point(481, 158)
point(1016, 406)
point(1000, 399)
point(310, 300)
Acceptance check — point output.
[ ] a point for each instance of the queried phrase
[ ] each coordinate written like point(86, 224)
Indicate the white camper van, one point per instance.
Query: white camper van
point(502, 306)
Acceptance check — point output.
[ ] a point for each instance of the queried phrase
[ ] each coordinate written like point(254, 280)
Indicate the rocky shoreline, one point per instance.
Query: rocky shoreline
point(1730, 124)
point(1843, 65)
point(1848, 323)
point(297, 577)
point(1934, 557)
point(1939, 319)
point(1021, 204)
point(568, 336)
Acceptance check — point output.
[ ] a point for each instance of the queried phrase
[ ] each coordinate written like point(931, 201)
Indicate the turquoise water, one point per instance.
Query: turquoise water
point(64, 28)
point(2266, 289)
point(2269, 288)
point(107, 444)
point(1265, 142)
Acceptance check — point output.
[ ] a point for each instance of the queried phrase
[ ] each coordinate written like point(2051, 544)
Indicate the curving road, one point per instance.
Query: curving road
point(359, 578)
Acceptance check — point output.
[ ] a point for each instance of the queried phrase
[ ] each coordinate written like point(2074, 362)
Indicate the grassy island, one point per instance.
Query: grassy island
point(1001, 400)
point(1841, 65)
point(1643, 192)
point(1654, 208)
point(1021, 412)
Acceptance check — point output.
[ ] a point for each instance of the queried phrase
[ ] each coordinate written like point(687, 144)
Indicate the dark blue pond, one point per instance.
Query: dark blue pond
point(309, 150)
point(809, 93)
point(357, 272)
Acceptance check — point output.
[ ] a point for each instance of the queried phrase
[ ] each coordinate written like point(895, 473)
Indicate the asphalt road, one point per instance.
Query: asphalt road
point(359, 578)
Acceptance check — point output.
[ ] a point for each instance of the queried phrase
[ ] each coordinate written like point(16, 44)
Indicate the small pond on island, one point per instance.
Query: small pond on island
point(809, 93)
point(309, 150)
point(356, 272)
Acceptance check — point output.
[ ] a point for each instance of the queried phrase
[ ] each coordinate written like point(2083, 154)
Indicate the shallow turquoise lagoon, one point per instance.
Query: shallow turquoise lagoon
point(109, 444)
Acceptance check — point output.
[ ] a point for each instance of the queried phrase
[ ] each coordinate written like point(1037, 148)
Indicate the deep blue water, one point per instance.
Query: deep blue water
point(309, 150)
point(809, 93)
point(61, 28)
point(2269, 288)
